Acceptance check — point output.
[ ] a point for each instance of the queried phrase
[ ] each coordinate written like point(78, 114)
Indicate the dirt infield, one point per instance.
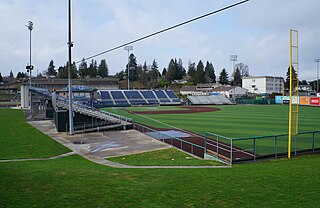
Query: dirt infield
point(190, 109)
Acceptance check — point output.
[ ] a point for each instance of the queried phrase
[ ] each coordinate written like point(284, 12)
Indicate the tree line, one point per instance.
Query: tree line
point(151, 76)
point(83, 71)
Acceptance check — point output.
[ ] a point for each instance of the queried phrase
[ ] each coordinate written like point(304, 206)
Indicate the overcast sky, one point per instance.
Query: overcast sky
point(257, 32)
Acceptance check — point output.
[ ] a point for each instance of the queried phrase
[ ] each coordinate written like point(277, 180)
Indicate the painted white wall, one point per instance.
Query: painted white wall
point(265, 84)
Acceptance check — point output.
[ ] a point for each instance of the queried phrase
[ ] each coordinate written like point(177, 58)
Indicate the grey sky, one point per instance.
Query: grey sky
point(257, 31)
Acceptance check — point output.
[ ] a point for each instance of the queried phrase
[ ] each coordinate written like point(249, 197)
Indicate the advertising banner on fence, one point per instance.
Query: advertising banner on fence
point(304, 100)
point(286, 99)
point(314, 101)
point(278, 99)
point(295, 99)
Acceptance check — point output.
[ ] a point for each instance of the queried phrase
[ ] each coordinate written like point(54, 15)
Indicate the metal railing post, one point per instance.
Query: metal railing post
point(254, 149)
point(313, 142)
point(276, 146)
point(231, 154)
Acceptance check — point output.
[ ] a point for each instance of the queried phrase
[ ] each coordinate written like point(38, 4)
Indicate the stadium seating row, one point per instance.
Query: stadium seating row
point(137, 97)
point(209, 100)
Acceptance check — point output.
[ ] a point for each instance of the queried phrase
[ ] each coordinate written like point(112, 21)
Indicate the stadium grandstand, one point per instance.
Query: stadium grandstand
point(112, 98)
point(209, 100)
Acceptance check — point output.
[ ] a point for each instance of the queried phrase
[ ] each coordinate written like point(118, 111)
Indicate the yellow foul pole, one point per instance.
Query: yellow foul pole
point(290, 103)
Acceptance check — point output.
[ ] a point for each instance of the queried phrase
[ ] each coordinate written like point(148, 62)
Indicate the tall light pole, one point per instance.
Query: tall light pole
point(233, 58)
point(128, 48)
point(317, 61)
point(29, 67)
point(70, 45)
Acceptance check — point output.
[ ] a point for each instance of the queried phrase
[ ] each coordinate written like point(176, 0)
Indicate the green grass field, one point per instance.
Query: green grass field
point(75, 182)
point(15, 132)
point(231, 121)
point(238, 122)
point(166, 157)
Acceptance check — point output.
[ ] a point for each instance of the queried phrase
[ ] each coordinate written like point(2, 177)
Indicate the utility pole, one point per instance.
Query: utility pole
point(128, 48)
point(70, 45)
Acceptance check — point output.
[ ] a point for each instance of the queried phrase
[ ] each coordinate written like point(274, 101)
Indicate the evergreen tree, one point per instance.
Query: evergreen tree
point(93, 69)
point(103, 69)
point(83, 69)
point(11, 75)
point(144, 78)
point(237, 80)
point(132, 68)
point(199, 76)
point(154, 73)
point(210, 77)
point(164, 72)
point(170, 75)
point(181, 70)
point(74, 71)
point(1, 78)
point(191, 70)
point(63, 71)
point(51, 69)
point(223, 78)
point(294, 77)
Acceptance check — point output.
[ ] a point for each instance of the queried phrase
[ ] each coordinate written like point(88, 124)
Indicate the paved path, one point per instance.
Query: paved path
point(36, 159)
point(89, 151)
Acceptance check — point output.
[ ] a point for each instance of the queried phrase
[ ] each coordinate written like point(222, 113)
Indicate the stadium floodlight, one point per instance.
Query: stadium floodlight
point(317, 61)
point(233, 58)
point(128, 48)
point(29, 67)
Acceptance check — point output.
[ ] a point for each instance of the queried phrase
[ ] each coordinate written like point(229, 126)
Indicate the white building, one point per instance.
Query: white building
point(263, 84)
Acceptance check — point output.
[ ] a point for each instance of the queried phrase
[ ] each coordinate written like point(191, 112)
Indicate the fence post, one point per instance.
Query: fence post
point(217, 146)
point(313, 142)
point(205, 142)
point(254, 149)
point(276, 146)
point(231, 155)
point(295, 145)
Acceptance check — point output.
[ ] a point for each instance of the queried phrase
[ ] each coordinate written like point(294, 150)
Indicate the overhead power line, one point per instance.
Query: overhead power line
point(164, 30)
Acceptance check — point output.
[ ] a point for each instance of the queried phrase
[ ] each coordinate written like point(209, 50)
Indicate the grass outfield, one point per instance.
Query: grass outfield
point(75, 182)
point(166, 157)
point(232, 121)
point(15, 132)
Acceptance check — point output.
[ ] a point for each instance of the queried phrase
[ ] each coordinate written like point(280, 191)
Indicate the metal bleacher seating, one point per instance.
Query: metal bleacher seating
point(137, 97)
point(60, 102)
point(172, 96)
point(162, 96)
point(209, 100)
point(149, 96)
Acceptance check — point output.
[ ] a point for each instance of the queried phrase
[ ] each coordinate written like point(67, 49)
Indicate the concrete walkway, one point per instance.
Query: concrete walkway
point(36, 159)
point(99, 145)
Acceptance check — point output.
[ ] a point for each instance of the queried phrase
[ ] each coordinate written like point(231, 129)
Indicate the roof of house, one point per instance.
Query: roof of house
point(260, 77)
point(223, 88)
point(188, 88)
